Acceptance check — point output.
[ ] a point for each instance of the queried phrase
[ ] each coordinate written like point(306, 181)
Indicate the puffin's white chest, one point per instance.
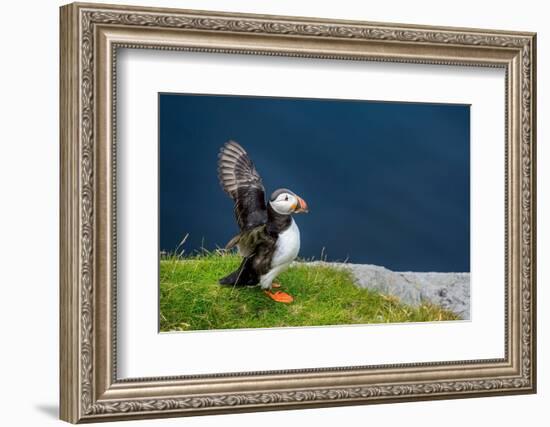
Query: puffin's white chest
point(287, 247)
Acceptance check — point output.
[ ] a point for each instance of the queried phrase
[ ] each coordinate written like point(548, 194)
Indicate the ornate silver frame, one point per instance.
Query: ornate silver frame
point(90, 36)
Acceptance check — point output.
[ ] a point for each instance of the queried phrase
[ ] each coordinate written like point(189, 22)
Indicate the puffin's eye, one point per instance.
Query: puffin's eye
point(286, 198)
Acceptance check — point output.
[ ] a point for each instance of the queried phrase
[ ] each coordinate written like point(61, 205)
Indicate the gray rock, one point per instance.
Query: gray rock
point(448, 290)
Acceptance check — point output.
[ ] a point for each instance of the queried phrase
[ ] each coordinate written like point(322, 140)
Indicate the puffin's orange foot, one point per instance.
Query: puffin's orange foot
point(280, 296)
point(275, 285)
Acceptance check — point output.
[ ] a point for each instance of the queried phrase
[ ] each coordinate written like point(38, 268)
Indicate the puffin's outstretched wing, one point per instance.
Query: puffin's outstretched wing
point(239, 178)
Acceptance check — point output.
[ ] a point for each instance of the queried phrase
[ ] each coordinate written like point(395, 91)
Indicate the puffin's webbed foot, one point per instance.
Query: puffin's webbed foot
point(280, 296)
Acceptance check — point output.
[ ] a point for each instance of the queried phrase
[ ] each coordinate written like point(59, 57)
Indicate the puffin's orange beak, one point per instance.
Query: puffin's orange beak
point(301, 206)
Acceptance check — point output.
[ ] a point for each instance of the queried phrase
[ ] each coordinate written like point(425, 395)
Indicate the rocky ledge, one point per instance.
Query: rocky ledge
point(448, 290)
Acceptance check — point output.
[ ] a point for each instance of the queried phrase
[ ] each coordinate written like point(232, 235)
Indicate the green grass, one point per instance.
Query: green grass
point(192, 299)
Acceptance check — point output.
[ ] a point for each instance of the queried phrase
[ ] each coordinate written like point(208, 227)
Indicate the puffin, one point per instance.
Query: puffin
point(269, 239)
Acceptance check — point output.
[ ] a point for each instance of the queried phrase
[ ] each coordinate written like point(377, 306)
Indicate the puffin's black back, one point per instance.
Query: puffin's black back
point(250, 210)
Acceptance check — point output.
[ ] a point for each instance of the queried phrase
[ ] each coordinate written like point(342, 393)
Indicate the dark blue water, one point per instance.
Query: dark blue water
point(386, 183)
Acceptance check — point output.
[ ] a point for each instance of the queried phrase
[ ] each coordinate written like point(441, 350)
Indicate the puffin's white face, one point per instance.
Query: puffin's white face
point(288, 203)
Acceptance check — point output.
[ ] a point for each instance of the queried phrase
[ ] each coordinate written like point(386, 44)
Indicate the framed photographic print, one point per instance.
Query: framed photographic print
point(266, 212)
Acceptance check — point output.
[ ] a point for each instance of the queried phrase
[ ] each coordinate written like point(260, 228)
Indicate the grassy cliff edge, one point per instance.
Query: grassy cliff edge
point(192, 299)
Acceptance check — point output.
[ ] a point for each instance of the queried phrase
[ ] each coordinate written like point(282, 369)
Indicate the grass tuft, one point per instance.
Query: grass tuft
point(192, 299)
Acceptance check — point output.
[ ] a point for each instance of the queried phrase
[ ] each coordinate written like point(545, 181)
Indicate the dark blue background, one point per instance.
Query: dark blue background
point(386, 183)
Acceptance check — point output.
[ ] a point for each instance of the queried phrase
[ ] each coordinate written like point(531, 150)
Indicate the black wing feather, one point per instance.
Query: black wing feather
point(239, 178)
